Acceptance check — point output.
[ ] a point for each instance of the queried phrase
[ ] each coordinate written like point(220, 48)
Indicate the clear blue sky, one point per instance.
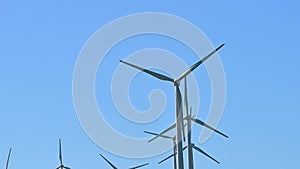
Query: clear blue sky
point(40, 42)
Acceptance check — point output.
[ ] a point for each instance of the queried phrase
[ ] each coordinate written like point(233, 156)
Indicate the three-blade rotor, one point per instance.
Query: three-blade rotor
point(183, 75)
point(176, 83)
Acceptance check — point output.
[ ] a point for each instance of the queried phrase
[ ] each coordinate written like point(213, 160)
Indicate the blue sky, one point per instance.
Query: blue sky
point(40, 42)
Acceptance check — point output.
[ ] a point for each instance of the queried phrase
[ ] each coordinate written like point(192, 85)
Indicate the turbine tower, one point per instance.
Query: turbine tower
point(179, 114)
point(61, 166)
point(114, 167)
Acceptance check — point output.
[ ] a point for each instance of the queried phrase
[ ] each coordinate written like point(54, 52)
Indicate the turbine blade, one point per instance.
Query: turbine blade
point(155, 134)
point(166, 130)
point(8, 157)
point(67, 167)
point(184, 147)
point(193, 67)
point(208, 126)
point(154, 74)
point(139, 166)
point(60, 153)
point(114, 167)
point(203, 152)
point(172, 155)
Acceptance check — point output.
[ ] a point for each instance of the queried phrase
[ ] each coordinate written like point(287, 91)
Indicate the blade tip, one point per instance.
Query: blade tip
point(220, 46)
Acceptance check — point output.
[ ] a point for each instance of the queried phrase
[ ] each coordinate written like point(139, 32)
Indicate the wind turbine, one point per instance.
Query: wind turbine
point(114, 167)
point(196, 148)
point(190, 146)
point(189, 119)
point(179, 114)
point(7, 161)
point(61, 166)
point(174, 144)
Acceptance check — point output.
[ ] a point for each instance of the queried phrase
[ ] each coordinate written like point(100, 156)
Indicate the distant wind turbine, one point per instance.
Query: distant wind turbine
point(167, 137)
point(179, 114)
point(189, 119)
point(7, 161)
point(114, 167)
point(174, 144)
point(61, 166)
point(192, 146)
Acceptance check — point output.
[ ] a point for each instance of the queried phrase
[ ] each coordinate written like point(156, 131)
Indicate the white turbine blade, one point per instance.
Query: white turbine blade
point(8, 157)
point(154, 74)
point(193, 67)
point(166, 130)
point(67, 167)
point(155, 134)
point(208, 126)
point(114, 167)
point(203, 152)
point(139, 166)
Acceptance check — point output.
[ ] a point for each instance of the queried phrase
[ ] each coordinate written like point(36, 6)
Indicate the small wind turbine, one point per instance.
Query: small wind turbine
point(174, 144)
point(179, 114)
point(189, 119)
point(190, 157)
point(114, 167)
point(60, 158)
point(7, 161)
